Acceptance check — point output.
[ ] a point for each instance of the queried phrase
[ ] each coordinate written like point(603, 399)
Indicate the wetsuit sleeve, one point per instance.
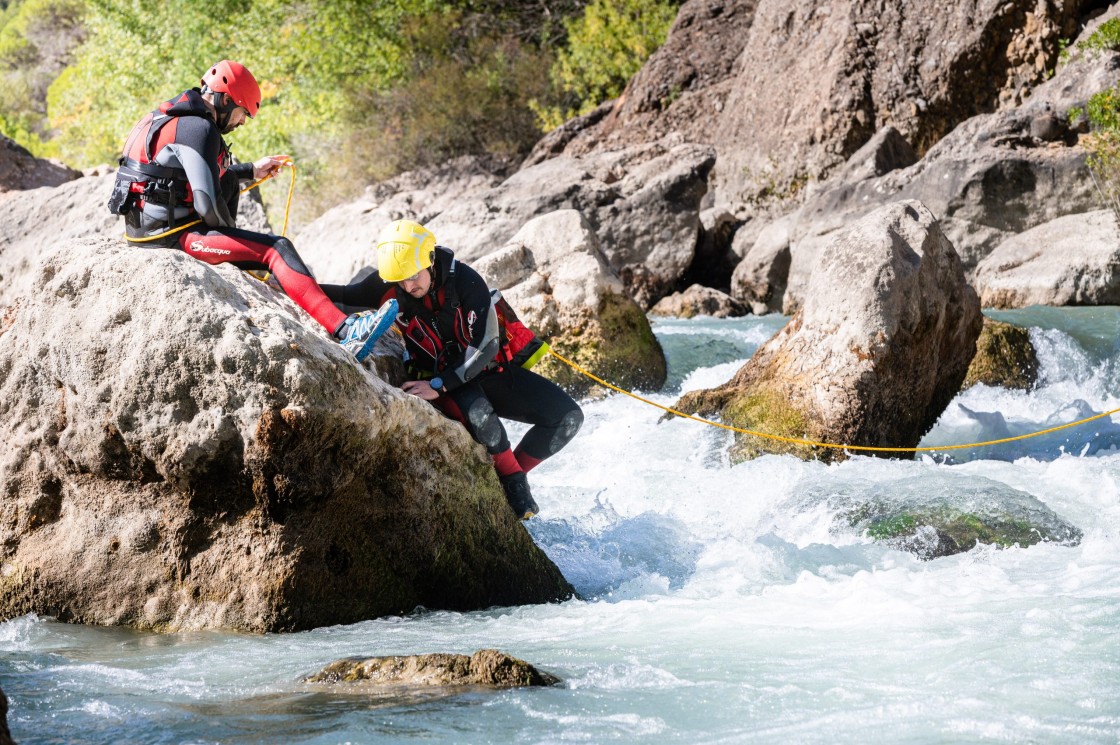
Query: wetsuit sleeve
point(476, 320)
point(197, 146)
point(243, 171)
point(367, 292)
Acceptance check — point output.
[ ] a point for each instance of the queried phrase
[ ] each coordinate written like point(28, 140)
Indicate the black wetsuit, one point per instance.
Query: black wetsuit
point(455, 335)
point(180, 149)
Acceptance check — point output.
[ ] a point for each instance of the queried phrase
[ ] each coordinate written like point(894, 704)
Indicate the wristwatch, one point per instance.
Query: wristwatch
point(436, 383)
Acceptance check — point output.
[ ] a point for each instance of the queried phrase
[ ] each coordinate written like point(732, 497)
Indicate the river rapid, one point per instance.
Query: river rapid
point(719, 603)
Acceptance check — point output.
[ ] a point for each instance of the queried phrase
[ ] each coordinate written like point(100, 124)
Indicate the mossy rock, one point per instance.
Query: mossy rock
point(767, 411)
point(487, 668)
point(1004, 357)
point(618, 346)
point(945, 530)
point(760, 409)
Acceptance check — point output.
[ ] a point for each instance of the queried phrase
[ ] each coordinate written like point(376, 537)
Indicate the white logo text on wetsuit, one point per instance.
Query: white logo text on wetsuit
point(199, 247)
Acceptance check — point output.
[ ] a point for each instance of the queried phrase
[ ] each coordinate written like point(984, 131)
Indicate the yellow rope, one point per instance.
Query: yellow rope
point(812, 443)
point(255, 184)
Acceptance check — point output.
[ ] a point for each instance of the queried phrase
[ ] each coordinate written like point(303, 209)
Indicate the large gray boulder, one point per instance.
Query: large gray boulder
point(1073, 260)
point(554, 274)
point(642, 202)
point(876, 352)
point(181, 447)
point(760, 278)
point(36, 219)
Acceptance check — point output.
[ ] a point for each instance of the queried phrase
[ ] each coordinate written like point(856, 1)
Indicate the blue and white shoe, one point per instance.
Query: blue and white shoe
point(362, 330)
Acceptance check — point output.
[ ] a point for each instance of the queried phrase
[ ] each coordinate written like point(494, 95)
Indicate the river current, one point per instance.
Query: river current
point(719, 603)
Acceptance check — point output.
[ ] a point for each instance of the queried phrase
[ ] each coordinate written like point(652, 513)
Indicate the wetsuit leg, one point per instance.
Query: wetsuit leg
point(249, 250)
point(524, 396)
point(479, 417)
point(469, 405)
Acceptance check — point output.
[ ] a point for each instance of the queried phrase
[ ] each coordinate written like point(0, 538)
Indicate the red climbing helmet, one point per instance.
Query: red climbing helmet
point(235, 79)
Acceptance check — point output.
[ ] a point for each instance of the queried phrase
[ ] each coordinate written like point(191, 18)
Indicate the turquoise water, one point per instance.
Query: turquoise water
point(720, 604)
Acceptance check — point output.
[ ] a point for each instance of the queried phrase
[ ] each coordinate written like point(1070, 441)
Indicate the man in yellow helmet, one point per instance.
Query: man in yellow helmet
point(467, 353)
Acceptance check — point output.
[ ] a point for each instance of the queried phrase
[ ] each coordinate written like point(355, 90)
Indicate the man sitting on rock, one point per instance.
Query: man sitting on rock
point(176, 187)
point(468, 353)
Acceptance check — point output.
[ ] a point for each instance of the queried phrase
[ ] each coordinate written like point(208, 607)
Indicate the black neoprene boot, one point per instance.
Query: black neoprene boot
point(518, 495)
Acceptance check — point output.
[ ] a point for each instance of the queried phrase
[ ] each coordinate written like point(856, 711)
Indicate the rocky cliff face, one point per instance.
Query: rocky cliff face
point(200, 457)
point(993, 181)
point(787, 92)
point(21, 170)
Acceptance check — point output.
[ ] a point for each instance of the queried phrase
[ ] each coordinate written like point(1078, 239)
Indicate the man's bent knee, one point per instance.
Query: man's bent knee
point(567, 429)
point(484, 423)
point(287, 252)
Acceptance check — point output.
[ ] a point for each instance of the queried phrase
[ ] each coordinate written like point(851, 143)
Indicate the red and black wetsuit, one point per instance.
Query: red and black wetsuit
point(176, 169)
point(454, 333)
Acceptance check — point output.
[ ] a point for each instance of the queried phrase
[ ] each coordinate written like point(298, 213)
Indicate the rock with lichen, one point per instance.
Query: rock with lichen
point(874, 356)
point(970, 511)
point(1004, 357)
point(486, 668)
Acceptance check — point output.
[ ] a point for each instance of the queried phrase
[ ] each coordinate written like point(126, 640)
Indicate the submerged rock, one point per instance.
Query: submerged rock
point(1004, 357)
point(881, 346)
point(554, 275)
point(969, 512)
point(487, 667)
point(181, 447)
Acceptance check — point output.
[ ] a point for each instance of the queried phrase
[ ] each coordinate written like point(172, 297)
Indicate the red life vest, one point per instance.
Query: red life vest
point(435, 334)
point(140, 179)
point(520, 346)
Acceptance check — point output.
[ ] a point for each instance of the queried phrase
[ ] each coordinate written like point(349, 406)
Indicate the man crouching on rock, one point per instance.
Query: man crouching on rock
point(468, 353)
point(177, 188)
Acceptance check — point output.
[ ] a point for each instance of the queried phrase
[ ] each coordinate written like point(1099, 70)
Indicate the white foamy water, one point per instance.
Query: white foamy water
point(719, 603)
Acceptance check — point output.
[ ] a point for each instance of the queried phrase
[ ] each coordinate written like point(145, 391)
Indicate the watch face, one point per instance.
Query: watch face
point(436, 383)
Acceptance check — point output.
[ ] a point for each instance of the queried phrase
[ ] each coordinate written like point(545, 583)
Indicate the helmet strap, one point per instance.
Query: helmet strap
point(223, 106)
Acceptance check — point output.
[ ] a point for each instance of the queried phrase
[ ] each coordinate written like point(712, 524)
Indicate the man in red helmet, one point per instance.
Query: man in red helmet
point(176, 171)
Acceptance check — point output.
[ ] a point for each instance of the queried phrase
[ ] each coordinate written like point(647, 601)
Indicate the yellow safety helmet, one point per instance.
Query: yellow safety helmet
point(404, 247)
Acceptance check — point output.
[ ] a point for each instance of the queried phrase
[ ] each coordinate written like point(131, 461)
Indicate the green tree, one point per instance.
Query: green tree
point(36, 39)
point(356, 90)
point(1103, 114)
point(606, 46)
